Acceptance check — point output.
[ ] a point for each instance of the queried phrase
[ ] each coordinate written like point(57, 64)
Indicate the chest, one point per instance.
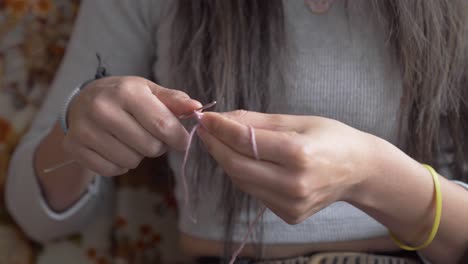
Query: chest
point(340, 66)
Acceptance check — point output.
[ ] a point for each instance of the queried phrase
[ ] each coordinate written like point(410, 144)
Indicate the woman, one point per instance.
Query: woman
point(341, 88)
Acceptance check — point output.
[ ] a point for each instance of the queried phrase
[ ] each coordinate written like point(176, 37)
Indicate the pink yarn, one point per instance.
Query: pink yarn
point(253, 142)
point(198, 115)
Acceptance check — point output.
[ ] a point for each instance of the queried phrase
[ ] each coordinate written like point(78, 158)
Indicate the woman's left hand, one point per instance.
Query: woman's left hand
point(305, 162)
point(308, 162)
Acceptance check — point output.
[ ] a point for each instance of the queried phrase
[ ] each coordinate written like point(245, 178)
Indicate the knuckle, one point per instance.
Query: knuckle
point(296, 220)
point(241, 140)
point(99, 106)
point(280, 122)
point(299, 153)
point(165, 126)
point(125, 89)
point(155, 149)
point(126, 81)
point(291, 219)
point(301, 188)
point(277, 119)
point(294, 217)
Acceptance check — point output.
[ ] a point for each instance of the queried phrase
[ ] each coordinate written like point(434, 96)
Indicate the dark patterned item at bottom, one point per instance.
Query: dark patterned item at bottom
point(328, 258)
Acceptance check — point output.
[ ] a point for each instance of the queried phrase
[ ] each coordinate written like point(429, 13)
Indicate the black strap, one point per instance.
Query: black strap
point(101, 70)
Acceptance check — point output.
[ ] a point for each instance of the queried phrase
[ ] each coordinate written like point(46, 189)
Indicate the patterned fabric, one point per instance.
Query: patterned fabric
point(328, 258)
point(142, 227)
point(344, 258)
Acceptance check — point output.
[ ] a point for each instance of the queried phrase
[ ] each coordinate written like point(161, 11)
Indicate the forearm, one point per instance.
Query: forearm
point(64, 186)
point(400, 194)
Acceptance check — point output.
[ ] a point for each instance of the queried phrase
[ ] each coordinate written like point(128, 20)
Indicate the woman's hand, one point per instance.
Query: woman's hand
point(115, 122)
point(306, 162)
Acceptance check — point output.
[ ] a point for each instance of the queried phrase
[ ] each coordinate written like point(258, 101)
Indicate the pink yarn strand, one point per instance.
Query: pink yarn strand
point(253, 142)
point(184, 177)
point(198, 115)
point(247, 235)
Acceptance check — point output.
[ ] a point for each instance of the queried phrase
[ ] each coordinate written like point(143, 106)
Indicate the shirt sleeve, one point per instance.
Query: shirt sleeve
point(121, 32)
point(462, 184)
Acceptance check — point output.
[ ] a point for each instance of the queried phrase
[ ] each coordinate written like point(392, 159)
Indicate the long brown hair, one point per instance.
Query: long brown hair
point(234, 52)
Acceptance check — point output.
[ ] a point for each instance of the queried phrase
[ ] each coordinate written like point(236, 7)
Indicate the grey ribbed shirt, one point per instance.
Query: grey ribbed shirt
point(340, 67)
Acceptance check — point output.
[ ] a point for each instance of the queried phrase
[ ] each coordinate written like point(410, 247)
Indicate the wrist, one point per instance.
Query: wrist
point(397, 192)
point(372, 169)
point(59, 197)
point(63, 187)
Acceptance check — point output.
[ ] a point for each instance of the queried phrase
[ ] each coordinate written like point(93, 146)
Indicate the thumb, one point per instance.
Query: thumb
point(176, 101)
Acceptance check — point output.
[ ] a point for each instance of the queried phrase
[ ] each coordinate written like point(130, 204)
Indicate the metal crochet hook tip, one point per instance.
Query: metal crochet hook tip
point(190, 114)
point(58, 166)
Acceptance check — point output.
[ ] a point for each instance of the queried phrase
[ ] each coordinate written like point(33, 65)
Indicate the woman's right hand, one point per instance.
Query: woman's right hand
point(115, 122)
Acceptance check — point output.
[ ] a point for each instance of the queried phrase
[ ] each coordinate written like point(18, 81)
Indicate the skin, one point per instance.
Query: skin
point(308, 162)
point(115, 122)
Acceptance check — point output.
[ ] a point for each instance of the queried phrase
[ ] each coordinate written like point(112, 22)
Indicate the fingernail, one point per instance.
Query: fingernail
point(195, 102)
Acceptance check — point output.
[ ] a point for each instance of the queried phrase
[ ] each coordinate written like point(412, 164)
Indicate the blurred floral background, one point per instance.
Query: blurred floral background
point(142, 227)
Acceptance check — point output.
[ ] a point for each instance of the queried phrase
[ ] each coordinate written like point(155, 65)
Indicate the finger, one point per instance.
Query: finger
point(274, 146)
point(107, 146)
point(128, 131)
point(115, 151)
point(158, 120)
point(282, 209)
point(274, 122)
point(249, 174)
point(176, 101)
point(88, 158)
point(263, 180)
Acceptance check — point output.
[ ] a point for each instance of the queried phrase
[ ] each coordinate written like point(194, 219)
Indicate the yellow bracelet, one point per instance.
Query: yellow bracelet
point(438, 214)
